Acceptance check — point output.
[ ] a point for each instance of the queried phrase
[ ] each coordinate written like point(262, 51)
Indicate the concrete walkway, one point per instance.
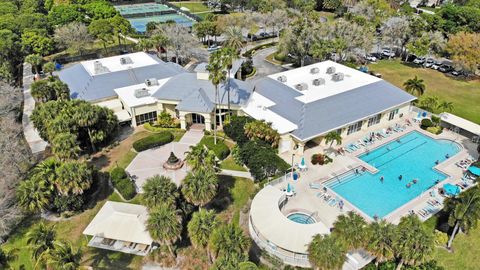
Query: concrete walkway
point(236, 173)
point(150, 162)
point(37, 144)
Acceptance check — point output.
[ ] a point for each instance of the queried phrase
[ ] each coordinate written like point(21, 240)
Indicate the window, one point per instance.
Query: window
point(146, 117)
point(354, 128)
point(392, 114)
point(374, 120)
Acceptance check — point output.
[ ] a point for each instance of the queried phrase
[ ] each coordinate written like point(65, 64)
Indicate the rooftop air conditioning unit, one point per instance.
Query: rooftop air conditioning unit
point(318, 81)
point(125, 60)
point(301, 86)
point(151, 82)
point(314, 70)
point(98, 68)
point(282, 78)
point(143, 92)
point(330, 70)
point(336, 77)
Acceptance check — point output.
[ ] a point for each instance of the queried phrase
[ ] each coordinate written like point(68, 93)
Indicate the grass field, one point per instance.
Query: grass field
point(230, 164)
point(194, 7)
point(465, 95)
point(465, 252)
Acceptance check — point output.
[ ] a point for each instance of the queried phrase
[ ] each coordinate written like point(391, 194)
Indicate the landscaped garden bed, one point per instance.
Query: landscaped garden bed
point(154, 140)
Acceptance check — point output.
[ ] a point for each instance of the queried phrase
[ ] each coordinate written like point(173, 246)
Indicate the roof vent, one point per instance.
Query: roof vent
point(301, 86)
point(151, 82)
point(336, 77)
point(314, 70)
point(126, 60)
point(330, 70)
point(282, 78)
point(98, 68)
point(318, 81)
point(143, 92)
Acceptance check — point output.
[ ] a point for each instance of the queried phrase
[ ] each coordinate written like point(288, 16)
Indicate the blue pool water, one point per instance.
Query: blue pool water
point(413, 157)
point(301, 218)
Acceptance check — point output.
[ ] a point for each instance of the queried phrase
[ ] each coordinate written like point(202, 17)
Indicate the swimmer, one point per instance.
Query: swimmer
point(381, 178)
point(398, 140)
point(414, 181)
point(400, 177)
point(408, 185)
point(436, 162)
point(447, 156)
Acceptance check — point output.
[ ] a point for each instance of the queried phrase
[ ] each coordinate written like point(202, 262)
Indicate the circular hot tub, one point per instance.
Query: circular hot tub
point(301, 218)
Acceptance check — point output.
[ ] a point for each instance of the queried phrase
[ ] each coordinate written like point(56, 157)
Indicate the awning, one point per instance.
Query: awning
point(460, 122)
point(123, 116)
point(451, 189)
point(475, 170)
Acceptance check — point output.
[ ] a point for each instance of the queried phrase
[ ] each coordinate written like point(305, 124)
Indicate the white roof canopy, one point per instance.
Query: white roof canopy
point(460, 122)
point(121, 221)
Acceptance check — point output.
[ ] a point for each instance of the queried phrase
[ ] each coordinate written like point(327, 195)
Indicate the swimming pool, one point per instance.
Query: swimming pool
point(301, 218)
point(413, 156)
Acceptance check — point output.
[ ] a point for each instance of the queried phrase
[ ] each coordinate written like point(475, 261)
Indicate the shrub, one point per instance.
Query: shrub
point(320, 159)
point(435, 119)
point(68, 203)
point(435, 130)
point(426, 123)
point(235, 129)
point(262, 160)
point(220, 149)
point(152, 141)
point(126, 187)
point(165, 120)
point(118, 173)
point(441, 238)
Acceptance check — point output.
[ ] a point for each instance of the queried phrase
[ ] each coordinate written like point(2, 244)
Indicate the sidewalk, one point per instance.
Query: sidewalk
point(37, 144)
point(236, 174)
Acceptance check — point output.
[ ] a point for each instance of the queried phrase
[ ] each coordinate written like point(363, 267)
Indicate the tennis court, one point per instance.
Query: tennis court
point(140, 24)
point(141, 8)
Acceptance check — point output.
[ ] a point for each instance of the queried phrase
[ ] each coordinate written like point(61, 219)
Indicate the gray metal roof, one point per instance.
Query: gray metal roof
point(91, 88)
point(323, 115)
point(196, 101)
point(181, 86)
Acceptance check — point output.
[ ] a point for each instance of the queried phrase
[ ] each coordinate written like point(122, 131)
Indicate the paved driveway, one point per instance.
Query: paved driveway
point(264, 68)
point(150, 162)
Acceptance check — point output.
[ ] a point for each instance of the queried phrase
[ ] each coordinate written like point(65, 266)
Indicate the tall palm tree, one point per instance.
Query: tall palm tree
point(35, 60)
point(41, 240)
point(217, 76)
point(6, 257)
point(352, 230)
point(412, 244)
point(380, 242)
point(229, 240)
point(159, 189)
point(446, 106)
point(201, 226)
point(47, 170)
point(33, 194)
point(87, 118)
point(326, 252)
point(144, 44)
point(160, 41)
point(64, 256)
point(414, 86)
point(165, 225)
point(332, 137)
point(200, 186)
point(73, 177)
point(464, 212)
point(65, 146)
point(229, 54)
point(196, 156)
point(234, 38)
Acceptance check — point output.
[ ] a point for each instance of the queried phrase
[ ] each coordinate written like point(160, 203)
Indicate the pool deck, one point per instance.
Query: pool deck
point(306, 197)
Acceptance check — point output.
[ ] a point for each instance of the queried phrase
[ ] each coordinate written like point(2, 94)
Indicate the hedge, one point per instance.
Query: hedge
point(122, 183)
point(426, 123)
point(152, 141)
point(220, 149)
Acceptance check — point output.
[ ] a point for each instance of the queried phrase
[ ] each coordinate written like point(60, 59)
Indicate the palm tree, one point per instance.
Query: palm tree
point(144, 44)
point(229, 240)
point(326, 252)
point(352, 230)
point(6, 257)
point(332, 137)
point(380, 243)
point(165, 225)
point(64, 256)
point(201, 226)
point(35, 60)
point(33, 194)
point(47, 171)
point(65, 146)
point(464, 212)
point(248, 265)
point(412, 244)
point(200, 186)
point(160, 41)
point(49, 67)
point(73, 177)
point(229, 54)
point(41, 240)
point(429, 103)
point(159, 189)
point(415, 86)
point(217, 76)
point(196, 156)
point(446, 106)
point(234, 38)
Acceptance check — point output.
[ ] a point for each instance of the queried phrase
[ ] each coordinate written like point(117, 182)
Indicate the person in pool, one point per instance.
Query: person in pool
point(436, 162)
point(447, 155)
point(382, 178)
point(400, 177)
point(409, 185)
point(415, 181)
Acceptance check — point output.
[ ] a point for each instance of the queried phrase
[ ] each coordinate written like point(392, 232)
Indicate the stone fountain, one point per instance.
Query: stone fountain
point(173, 163)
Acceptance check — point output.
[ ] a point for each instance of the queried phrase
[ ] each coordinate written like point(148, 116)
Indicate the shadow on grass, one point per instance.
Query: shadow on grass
point(105, 259)
point(224, 198)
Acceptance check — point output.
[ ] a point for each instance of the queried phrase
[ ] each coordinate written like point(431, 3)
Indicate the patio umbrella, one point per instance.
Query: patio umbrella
point(302, 164)
point(451, 189)
point(289, 189)
point(475, 170)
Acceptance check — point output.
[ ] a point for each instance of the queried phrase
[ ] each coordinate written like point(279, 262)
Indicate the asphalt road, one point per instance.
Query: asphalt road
point(264, 68)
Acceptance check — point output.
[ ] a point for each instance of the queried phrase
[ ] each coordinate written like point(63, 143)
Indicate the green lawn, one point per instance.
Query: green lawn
point(192, 6)
point(124, 161)
point(465, 95)
point(465, 252)
point(230, 164)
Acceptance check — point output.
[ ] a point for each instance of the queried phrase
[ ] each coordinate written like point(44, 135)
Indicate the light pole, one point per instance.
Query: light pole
point(293, 156)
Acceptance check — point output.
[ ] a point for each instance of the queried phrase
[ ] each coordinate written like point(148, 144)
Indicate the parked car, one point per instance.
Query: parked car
point(419, 60)
point(370, 58)
point(436, 65)
point(388, 53)
point(456, 73)
point(445, 68)
point(429, 62)
point(213, 48)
